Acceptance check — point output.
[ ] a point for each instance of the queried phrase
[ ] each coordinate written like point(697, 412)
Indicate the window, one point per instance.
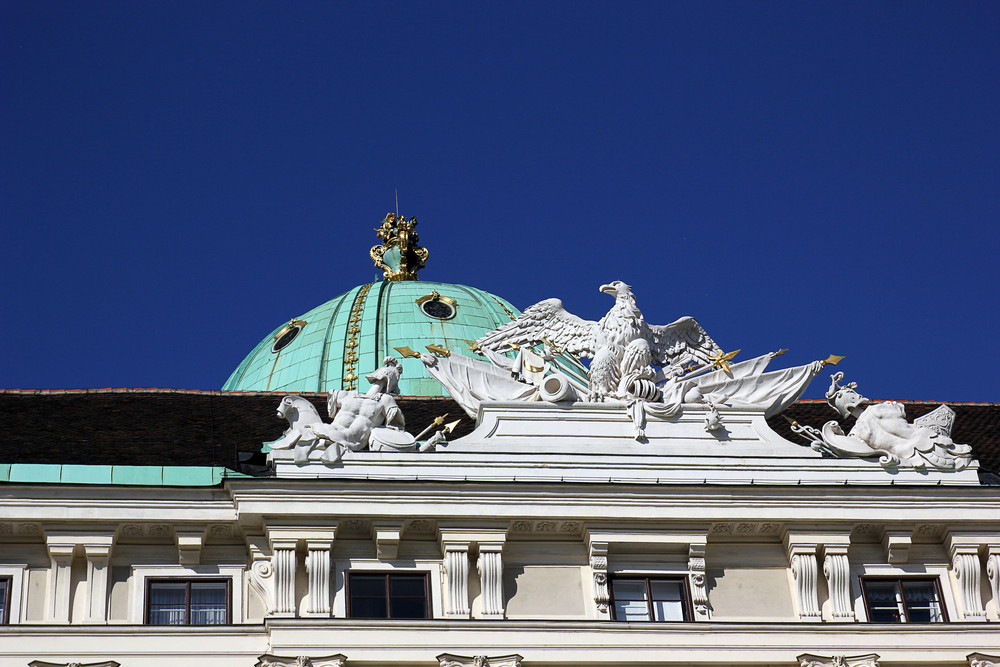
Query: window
point(650, 599)
point(5, 586)
point(378, 595)
point(903, 600)
point(188, 602)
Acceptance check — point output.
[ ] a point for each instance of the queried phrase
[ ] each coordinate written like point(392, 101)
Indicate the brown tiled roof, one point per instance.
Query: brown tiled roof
point(162, 427)
point(167, 427)
point(976, 424)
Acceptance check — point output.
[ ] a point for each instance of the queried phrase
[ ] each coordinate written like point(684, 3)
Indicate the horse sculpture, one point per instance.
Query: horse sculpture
point(302, 416)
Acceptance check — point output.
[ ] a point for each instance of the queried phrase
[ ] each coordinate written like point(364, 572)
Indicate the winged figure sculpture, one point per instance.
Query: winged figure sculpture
point(622, 346)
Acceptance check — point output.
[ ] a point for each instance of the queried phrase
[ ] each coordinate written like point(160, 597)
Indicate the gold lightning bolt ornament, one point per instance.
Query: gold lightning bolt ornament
point(438, 350)
point(407, 352)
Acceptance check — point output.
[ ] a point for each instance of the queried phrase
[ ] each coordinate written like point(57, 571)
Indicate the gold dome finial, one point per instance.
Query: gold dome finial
point(399, 256)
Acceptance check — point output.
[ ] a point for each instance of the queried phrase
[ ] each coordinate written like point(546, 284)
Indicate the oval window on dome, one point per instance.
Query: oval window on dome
point(287, 335)
point(437, 306)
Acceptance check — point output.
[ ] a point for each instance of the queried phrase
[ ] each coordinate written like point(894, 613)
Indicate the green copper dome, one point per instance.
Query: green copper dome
point(335, 345)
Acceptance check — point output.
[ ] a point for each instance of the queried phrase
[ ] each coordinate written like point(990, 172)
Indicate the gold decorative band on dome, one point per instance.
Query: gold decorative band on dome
point(350, 378)
point(505, 308)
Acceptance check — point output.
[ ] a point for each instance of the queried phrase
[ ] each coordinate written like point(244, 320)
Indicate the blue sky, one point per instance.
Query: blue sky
point(177, 179)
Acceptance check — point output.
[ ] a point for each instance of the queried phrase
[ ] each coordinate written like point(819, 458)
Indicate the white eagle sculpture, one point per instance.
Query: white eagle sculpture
point(622, 346)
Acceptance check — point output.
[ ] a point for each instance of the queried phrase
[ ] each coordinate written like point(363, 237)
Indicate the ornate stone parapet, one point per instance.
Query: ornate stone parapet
point(268, 660)
point(450, 660)
point(837, 570)
point(599, 567)
point(490, 565)
point(696, 576)
point(810, 660)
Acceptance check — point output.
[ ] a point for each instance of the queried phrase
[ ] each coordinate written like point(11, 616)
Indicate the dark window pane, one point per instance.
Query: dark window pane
point(409, 608)
point(167, 603)
point(629, 589)
point(367, 586)
point(902, 601)
point(406, 586)
point(208, 603)
point(368, 607)
point(922, 605)
point(4, 589)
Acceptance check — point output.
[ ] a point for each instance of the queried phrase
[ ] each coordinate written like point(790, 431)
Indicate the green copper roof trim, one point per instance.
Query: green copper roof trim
point(54, 473)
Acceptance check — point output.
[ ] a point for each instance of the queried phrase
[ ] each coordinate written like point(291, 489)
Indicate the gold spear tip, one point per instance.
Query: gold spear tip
point(781, 352)
point(407, 352)
point(438, 350)
point(473, 346)
point(451, 427)
point(790, 420)
point(833, 360)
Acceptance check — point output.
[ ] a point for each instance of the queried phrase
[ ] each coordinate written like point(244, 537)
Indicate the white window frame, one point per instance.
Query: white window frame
point(18, 592)
point(435, 584)
point(940, 572)
point(140, 573)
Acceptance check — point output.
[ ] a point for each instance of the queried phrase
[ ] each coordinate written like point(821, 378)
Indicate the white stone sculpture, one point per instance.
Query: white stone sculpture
point(371, 421)
point(881, 429)
point(622, 346)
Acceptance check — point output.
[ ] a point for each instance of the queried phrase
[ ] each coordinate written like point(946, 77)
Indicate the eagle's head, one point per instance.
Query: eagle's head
point(617, 289)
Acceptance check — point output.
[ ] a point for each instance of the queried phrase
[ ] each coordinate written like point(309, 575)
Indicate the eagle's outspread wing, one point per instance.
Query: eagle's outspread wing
point(546, 320)
point(680, 342)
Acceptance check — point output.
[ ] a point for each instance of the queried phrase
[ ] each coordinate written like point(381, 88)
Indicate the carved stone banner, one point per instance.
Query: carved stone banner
point(810, 660)
point(42, 663)
point(267, 660)
point(449, 660)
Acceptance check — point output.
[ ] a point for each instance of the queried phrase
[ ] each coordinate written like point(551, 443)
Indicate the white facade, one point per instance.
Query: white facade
point(520, 531)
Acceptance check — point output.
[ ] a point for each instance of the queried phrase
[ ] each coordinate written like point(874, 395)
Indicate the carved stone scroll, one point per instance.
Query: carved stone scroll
point(318, 569)
point(838, 577)
point(983, 660)
point(696, 568)
point(490, 567)
point(805, 571)
point(810, 660)
point(267, 660)
point(261, 571)
point(965, 561)
point(450, 660)
point(993, 572)
point(283, 562)
point(456, 566)
point(599, 566)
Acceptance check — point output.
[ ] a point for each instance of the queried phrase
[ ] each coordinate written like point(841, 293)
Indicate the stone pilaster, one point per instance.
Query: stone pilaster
point(283, 561)
point(837, 570)
point(456, 568)
point(318, 568)
point(599, 566)
point(696, 577)
point(802, 558)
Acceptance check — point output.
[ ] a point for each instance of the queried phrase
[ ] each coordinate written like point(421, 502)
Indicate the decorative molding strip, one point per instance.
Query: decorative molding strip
point(449, 660)
point(268, 660)
point(810, 660)
point(42, 663)
point(747, 528)
point(545, 526)
point(350, 377)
